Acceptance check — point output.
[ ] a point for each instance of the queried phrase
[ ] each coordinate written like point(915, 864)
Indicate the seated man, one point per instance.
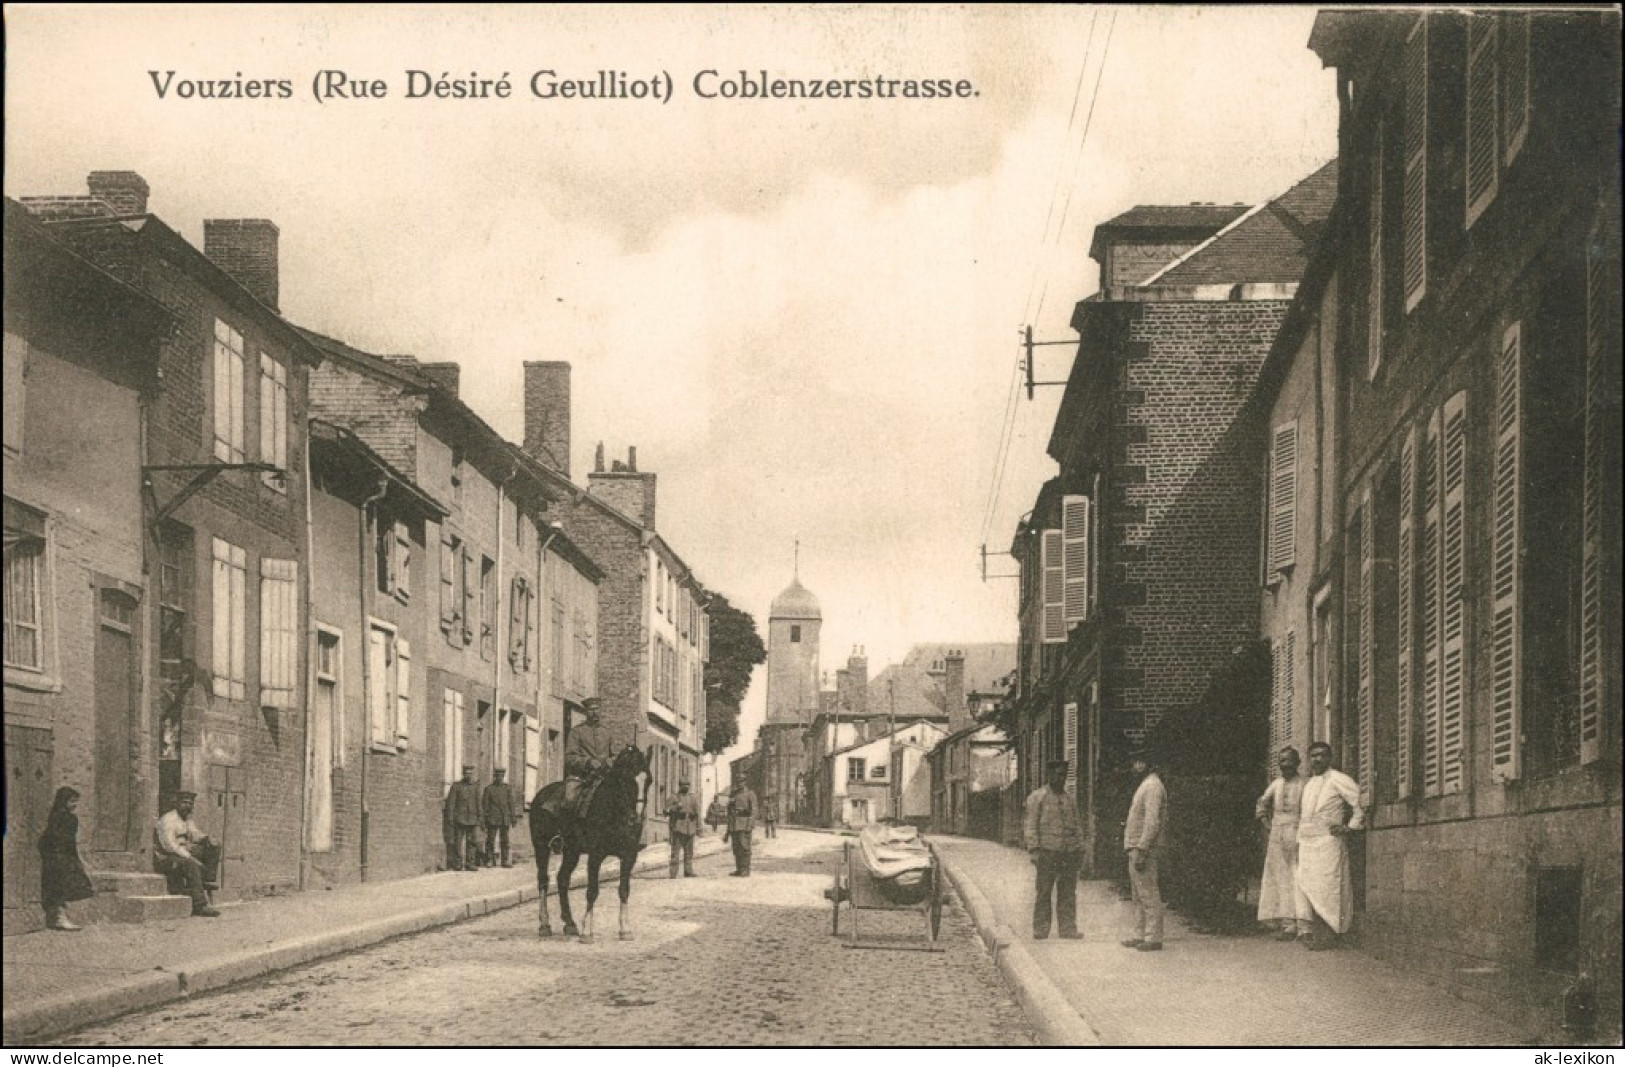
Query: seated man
point(185, 855)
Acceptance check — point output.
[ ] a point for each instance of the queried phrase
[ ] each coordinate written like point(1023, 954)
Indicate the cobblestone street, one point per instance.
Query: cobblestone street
point(715, 961)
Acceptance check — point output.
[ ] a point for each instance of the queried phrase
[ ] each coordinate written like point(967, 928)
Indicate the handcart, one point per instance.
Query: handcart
point(889, 868)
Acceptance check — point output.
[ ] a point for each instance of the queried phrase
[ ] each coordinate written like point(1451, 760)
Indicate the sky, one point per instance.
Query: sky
point(803, 313)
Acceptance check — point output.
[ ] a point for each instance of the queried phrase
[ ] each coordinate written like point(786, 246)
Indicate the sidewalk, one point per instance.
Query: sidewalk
point(1201, 989)
point(57, 981)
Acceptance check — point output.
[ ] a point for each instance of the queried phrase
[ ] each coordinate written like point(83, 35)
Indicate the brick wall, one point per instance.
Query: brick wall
point(1182, 523)
point(622, 637)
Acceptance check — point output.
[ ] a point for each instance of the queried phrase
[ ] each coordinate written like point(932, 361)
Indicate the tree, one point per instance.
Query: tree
point(736, 649)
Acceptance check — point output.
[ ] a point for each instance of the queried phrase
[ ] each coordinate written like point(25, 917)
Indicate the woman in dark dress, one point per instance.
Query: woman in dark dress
point(62, 874)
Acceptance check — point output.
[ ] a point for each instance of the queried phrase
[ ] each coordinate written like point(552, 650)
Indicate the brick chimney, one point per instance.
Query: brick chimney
point(626, 489)
point(246, 249)
point(124, 191)
point(447, 376)
point(953, 690)
point(547, 413)
point(857, 674)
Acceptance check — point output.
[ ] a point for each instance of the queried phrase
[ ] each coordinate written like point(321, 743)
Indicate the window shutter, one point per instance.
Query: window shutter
point(1278, 733)
point(1483, 76)
point(1283, 532)
point(1598, 347)
point(1506, 577)
point(378, 679)
point(448, 580)
point(533, 758)
point(1377, 287)
point(1053, 619)
point(1427, 491)
point(267, 411)
point(1406, 638)
point(402, 576)
point(1075, 551)
point(1416, 162)
point(278, 632)
point(470, 587)
point(1515, 124)
point(239, 623)
point(1094, 548)
point(403, 692)
point(1289, 688)
point(1453, 587)
point(1069, 728)
point(1366, 666)
point(516, 622)
point(220, 617)
point(528, 612)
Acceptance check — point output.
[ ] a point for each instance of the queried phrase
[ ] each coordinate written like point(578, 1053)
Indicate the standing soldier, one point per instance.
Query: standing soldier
point(1143, 841)
point(501, 809)
point(683, 814)
point(1053, 834)
point(770, 816)
point(717, 814)
point(462, 815)
point(741, 820)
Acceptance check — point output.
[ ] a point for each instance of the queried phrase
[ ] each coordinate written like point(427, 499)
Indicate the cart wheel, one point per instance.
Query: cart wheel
point(936, 901)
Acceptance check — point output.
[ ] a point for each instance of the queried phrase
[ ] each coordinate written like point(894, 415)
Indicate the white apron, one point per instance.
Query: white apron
point(1325, 886)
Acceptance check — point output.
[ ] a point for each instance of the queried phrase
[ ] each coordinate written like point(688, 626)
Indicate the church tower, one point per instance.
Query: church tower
point(793, 623)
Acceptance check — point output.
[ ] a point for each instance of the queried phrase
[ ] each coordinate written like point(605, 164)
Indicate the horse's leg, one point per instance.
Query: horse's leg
point(627, 864)
point(544, 859)
point(567, 868)
point(595, 863)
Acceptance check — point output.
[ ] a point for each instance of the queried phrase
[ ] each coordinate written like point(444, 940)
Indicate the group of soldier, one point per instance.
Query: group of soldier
point(736, 815)
point(467, 808)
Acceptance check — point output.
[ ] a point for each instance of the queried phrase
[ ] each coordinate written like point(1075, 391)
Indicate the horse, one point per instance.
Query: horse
point(601, 818)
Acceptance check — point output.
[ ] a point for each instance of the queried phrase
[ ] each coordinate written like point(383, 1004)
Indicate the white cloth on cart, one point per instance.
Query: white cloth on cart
point(889, 851)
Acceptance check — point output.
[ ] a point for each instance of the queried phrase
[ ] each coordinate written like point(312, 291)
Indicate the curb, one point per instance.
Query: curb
point(1058, 1023)
point(36, 1022)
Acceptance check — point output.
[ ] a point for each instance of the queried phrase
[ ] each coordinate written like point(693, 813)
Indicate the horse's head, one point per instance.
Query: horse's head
point(630, 762)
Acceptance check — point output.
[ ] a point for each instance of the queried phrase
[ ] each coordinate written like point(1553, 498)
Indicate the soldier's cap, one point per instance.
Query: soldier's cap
point(499, 772)
point(1057, 765)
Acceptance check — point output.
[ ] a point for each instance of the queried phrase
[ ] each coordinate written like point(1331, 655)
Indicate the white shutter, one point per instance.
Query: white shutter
point(1406, 623)
point(378, 709)
point(1416, 162)
point(279, 636)
point(533, 757)
point(239, 623)
point(1592, 682)
point(1515, 124)
point(222, 392)
point(449, 554)
point(1427, 481)
point(1366, 665)
point(1278, 734)
point(1052, 620)
point(470, 586)
point(1453, 591)
point(1283, 531)
point(403, 692)
point(1506, 565)
point(220, 618)
point(1483, 78)
point(1374, 245)
point(1070, 734)
point(1075, 552)
point(267, 410)
point(1289, 689)
point(1094, 548)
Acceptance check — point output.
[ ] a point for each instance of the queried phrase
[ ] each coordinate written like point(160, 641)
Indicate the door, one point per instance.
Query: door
point(226, 820)
point(115, 722)
point(319, 766)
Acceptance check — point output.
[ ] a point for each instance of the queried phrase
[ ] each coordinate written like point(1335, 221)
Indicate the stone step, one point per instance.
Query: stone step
point(143, 909)
point(129, 883)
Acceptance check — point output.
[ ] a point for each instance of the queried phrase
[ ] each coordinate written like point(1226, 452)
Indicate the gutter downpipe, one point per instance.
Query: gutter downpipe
point(367, 680)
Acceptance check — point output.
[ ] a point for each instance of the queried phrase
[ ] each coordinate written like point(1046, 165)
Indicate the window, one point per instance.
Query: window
point(395, 559)
point(854, 769)
point(25, 574)
point(228, 394)
point(274, 422)
point(279, 632)
point(229, 652)
point(329, 681)
point(795, 634)
point(458, 589)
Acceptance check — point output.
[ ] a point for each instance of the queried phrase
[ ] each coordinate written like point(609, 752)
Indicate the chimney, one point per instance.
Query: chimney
point(246, 249)
point(446, 375)
point(953, 690)
point(857, 668)
point(124, 191)
point(626, 490)
point(547, 414)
